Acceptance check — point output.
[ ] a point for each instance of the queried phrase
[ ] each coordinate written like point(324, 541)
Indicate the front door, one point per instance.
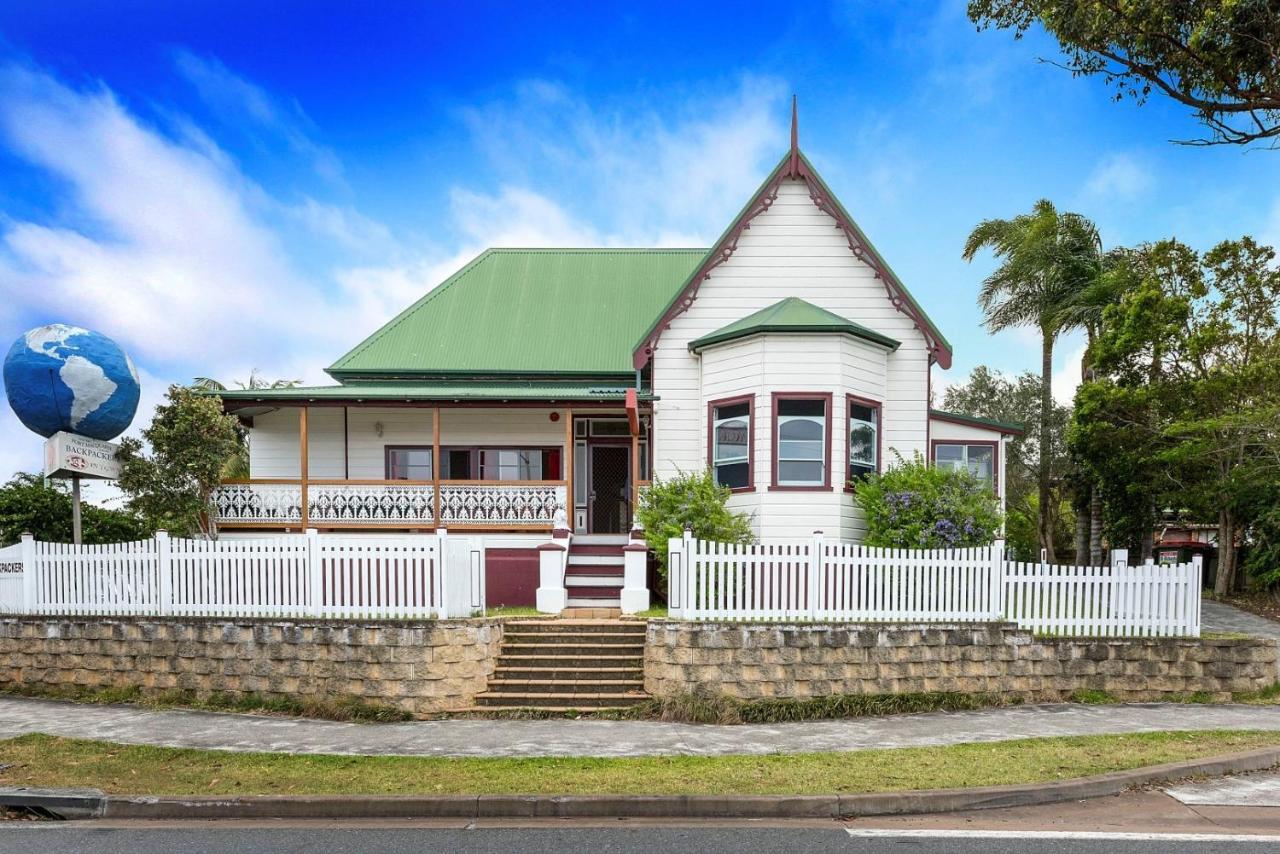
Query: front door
point(609, 501)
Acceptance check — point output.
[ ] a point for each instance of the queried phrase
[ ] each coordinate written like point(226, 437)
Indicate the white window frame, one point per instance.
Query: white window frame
point(874, 424)
point(823, 451)
point(745, 457)
point(964, 461)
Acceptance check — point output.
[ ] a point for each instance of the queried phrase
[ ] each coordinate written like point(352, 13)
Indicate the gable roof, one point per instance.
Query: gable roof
point(1010, 427)
point(528, 312)
point(792, 315)
point(796, 166)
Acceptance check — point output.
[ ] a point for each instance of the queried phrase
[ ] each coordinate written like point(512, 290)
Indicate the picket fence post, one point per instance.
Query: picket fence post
point(164, 585)
point(690, 574)
point(28, 574)
point(438, 582)
point(815, 576)
point(315, 587)
point(997, 579)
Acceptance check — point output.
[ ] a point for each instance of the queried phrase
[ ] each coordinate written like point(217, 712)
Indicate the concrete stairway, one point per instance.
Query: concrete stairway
point(594, 575)
point(565, 665)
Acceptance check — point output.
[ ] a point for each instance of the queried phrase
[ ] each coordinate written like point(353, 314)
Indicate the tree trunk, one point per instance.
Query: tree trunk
point(1095, 526)
point(1226, 580)
point(1082, 531)
point(1148, 543)
point(1045, 523)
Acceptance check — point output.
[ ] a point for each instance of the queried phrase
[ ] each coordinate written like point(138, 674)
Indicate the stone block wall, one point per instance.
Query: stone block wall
point(801, 660)
point(421, 667)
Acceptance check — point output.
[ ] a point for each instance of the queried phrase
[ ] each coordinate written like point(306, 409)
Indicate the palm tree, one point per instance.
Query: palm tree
point(237, 467)
point(1047, 258)
point(1085, 311)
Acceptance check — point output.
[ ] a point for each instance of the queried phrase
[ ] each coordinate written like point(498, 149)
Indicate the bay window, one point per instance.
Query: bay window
point(864, 438)
point(730, 446)
point(977, 459)
point(801, 450)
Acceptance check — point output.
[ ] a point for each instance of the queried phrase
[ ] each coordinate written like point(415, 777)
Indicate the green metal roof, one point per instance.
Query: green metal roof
point(438, 390)
point(792, 315)
point(528, 311)
point(1002, 426)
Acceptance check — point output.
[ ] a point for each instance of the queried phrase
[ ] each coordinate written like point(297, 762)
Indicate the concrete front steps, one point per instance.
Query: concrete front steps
point(593, 577)
point(564, 665)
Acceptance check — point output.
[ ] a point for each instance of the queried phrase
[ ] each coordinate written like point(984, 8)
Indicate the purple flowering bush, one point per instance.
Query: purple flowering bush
point(914, 505)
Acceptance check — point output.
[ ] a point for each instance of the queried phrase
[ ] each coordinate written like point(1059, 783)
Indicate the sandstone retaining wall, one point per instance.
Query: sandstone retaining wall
point(421, 667)
point(799, 660)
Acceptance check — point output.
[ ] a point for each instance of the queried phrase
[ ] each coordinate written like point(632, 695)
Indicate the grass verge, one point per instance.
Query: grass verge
point(40, 760)
point(514, 611)
point(333, 709)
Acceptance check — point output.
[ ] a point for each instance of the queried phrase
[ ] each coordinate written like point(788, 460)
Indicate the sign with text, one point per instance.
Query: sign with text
point(66, 454)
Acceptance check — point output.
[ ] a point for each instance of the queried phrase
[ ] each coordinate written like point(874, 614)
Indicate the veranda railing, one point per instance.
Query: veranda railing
point(821, 580)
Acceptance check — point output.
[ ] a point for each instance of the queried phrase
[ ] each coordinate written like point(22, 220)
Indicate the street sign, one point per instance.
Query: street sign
point(69, 455)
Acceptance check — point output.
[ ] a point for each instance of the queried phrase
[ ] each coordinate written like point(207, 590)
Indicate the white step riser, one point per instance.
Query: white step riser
point(601, 539)
point(595, 560)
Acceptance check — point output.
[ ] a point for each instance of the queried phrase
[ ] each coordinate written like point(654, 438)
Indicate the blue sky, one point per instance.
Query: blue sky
point(227, 186)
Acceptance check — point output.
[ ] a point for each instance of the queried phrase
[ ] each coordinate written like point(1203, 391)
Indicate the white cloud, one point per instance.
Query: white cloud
point(1066, 374)
point(1118, 176)
point(244, 105)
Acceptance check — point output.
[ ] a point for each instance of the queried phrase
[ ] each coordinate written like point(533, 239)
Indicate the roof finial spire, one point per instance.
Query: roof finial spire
point(795, 126)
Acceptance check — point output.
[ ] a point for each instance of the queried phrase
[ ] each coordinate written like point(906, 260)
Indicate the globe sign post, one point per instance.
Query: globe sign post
point(79, 390)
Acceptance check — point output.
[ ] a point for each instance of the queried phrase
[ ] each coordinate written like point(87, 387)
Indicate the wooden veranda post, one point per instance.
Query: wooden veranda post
point(302, 463)
point(570, 451)
point(435, 466)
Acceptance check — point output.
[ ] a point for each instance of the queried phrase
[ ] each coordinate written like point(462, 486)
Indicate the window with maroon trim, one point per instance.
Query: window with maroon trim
point(800, 449)
point(978, 460)
point(513, 464)
point(730, 449)
point(408, 463)
point(864, 438)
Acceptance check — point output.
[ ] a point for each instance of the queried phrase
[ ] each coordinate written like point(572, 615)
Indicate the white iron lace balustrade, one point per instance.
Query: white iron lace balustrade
point(501, 504)
point(372, 503)
point(261, 503)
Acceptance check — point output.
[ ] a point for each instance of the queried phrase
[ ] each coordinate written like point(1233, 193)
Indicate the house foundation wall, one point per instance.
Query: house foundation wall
point(798, 660)
point(420, 667)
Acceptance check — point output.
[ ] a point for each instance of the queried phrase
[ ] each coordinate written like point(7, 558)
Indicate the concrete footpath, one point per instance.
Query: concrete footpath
point(560, 737)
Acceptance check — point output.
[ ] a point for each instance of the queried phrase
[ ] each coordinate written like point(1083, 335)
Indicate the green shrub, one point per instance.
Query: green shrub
point(693, 501)
point(914, 505)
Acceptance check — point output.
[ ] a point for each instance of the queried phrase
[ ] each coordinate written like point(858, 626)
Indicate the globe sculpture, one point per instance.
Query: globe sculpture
point(64, 378)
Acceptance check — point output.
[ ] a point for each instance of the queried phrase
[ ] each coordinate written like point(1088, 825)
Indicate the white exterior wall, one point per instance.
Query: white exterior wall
point(793, 249)
point(274, 438)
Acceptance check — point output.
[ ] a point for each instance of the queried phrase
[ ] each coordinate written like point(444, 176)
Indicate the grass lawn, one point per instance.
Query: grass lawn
point(40, 760)
point(514, 611)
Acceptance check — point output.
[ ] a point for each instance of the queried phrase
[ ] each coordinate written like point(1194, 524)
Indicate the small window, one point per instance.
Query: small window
point(864, 439)
point(455, 464)
point(978, 460)
point(801, 450)
point(408, 464)
point(731, 444)
point(610, 427)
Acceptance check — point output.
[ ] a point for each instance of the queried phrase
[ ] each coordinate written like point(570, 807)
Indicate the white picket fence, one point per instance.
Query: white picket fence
point(819, 580)
point(392, 577)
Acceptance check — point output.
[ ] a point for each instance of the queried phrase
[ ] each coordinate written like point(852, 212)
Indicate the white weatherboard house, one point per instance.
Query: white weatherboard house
point(543, 388)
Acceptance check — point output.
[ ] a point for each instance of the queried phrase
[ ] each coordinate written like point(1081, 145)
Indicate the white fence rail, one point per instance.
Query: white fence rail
point(815, 579)
point(370, 577)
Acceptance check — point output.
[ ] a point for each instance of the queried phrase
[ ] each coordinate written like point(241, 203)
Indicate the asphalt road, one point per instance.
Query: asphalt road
point(37, 839)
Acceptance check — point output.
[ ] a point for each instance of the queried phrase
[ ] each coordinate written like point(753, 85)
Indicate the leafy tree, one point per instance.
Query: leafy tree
point(1218, 57)
point(1046, 259)
point(989, 394)
point(237, 467)
point(693, 501)
point(1189, 365)
point(191, 440)
point(31, 504)
point(914, 505)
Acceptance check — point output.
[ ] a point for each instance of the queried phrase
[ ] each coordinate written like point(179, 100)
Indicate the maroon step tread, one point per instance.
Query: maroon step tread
point(585, 592)
point(598, 570)
point(596, 550)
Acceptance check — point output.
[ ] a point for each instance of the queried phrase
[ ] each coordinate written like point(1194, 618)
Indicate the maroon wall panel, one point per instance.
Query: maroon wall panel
point(510, 576)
